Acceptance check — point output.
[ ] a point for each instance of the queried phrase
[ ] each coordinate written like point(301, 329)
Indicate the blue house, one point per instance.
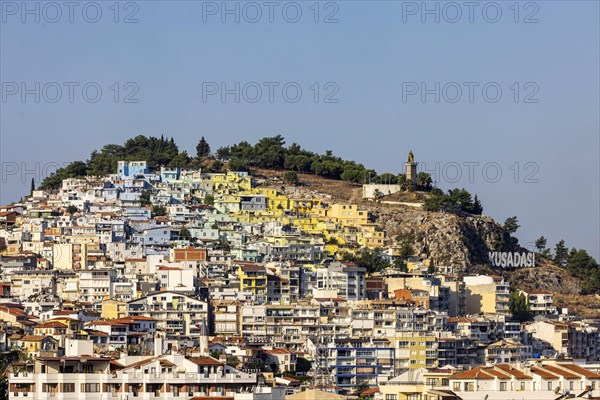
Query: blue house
point(126, 169)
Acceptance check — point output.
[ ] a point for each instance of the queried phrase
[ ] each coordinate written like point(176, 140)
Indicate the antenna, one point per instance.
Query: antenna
point(322, 377)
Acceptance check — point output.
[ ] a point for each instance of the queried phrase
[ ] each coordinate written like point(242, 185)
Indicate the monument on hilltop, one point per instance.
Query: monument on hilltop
point(411, 169)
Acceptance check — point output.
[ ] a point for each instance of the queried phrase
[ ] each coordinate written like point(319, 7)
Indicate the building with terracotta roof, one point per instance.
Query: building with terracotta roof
point(546, 380)
point(143, 377)
point(419, 383)
point(36, 345)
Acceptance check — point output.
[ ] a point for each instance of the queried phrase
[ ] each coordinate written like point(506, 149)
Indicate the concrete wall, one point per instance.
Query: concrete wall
point(368, 190)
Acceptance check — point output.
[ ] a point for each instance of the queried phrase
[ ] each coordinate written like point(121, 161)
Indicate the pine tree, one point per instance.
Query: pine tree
point(540, 244)
point(477, 206)
point(203, 148)
point(511, 225)
point(32, 187)
point(561, 253)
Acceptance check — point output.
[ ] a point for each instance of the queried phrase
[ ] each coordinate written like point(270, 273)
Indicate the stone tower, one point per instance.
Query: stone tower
point(411, 169)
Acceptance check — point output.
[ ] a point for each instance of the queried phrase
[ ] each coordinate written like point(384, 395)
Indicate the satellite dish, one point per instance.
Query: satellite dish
point(557, 389)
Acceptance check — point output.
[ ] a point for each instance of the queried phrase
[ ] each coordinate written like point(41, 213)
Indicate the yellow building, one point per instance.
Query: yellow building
point(304, 206)
point(371, 236)
point(415, 351)
point(253, 278)
point(231, 180)
point(33, 345)
point(74, 326)
point(113, 309)
point(348, 214)
point(278, 202)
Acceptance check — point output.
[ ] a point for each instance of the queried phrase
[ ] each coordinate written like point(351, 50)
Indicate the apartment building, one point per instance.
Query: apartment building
point(504, 352)
point(415, 351)
point(253, 278)
point(458, 352)
point(335, 318)
point(281, 325)
point(225, 317)
point(343, 280)
point(486, 294)
point(354, 361)
point(578, 339)
point(95, 285)
point(29, 283)
point(149, 378)
point(540, 302)
point(175, 313)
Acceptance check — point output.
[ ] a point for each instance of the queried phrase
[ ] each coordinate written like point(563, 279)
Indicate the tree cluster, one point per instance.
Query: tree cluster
point(581, 265)
point(576, 261)
point(455, 201)
point(519, 306)
point(268, 152)
point(371, 259)
point(272, 153)
point(155, 151)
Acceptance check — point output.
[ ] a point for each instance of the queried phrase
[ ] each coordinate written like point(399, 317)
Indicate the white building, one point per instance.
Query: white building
point(344, 280)
point(540, 381)
point(176, 313)
point(176, 279)
point(146, 378)
point(34, 282)
point(96, 285)
point(539, 302)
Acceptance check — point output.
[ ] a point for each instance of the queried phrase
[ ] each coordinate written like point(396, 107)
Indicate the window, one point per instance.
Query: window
point(49, 387)
point(503, 386)
point(522, 386)
point(90, 387)
point(68, 388)
point(391, 397)
point(549, 385)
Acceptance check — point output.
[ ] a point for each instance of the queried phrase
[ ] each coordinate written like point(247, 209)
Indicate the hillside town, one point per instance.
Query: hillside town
point(177, 283)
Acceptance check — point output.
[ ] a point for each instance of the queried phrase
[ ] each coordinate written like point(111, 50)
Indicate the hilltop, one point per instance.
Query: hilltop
point(448, 228)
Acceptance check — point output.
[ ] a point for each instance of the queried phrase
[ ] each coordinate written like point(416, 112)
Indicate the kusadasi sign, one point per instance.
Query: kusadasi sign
point(512, 260)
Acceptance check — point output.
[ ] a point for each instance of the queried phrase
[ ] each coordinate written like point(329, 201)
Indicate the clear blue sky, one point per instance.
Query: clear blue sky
point(372, 54)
